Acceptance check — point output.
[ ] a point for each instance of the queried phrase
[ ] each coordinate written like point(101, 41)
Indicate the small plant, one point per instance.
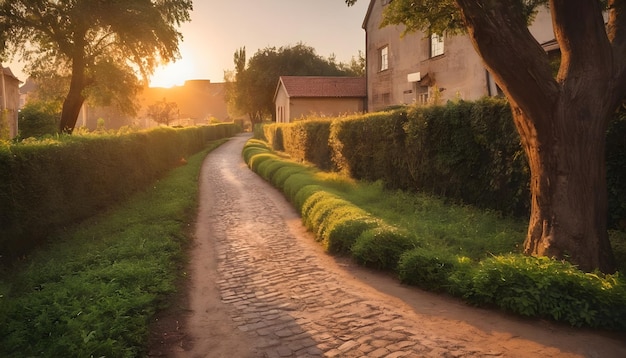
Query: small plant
point(381, 247)
point(428, 268)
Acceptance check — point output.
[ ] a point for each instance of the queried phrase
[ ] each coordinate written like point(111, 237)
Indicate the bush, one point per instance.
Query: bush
point(344, 227)
point(381, 247)
point(285, 171)
point(547, 288)
point(38, 119)
point(428, 268)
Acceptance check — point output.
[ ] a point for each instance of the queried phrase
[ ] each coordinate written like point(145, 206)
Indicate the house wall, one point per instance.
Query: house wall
point(323, 107)
point(10, 90)
point(457, 74)
point(282, 105)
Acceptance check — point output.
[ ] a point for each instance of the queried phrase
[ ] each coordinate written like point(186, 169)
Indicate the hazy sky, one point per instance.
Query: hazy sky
point(219, 27)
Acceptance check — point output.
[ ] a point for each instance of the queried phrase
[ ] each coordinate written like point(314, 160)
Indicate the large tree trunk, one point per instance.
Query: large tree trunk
point(569, 193)
point(561, 121)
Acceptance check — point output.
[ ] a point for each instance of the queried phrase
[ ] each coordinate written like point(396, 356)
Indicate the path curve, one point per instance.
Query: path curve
point(260, 286)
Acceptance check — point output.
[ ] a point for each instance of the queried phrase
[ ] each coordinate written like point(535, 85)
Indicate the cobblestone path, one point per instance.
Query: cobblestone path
point(266, 289)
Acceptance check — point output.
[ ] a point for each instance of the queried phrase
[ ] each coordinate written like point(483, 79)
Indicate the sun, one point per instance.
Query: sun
point(173, 74)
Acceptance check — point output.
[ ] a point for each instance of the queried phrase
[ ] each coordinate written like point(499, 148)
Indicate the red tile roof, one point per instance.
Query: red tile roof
point(317, 86)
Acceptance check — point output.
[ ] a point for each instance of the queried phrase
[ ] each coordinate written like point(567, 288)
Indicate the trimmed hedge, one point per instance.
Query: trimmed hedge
point(468, 152)
point(528, 286)
point(48, 184)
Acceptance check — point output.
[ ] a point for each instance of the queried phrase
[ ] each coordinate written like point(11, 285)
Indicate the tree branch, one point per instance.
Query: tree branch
point(519, 64)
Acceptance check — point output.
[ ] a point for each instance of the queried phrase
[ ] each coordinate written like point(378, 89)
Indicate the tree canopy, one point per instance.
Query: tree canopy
point(562, 120)
point(98, 47)
point(163, 112)
point(252, 86)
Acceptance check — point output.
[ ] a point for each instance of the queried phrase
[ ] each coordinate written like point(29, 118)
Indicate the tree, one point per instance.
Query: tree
point(562, 120)
point(39, 118)
point(96, 45)
point(163, 112)
point(252, 91)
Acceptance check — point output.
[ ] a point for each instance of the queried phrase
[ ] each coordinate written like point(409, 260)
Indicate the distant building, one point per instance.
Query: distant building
point(9, 100)
point(198, 102)
point(427, 68)
point(301, 96)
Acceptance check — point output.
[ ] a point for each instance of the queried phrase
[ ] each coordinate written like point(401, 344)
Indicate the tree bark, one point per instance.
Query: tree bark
point(74, 100)
point(562, 122)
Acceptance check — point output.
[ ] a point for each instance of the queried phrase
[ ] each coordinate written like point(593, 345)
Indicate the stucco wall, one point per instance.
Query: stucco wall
point(458, 73)
point(12, 92)
point(282, 106)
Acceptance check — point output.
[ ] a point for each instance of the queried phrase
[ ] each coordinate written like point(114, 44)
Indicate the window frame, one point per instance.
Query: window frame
point(383, 58)
point(437, 45)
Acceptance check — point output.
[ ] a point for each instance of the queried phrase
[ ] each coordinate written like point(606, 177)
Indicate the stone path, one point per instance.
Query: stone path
point(266, 289)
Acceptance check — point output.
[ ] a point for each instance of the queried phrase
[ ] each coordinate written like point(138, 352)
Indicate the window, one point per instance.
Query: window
point(436, 45)
point(384, 58)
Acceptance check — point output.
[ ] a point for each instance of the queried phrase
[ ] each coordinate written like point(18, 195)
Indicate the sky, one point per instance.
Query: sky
point(218, 28)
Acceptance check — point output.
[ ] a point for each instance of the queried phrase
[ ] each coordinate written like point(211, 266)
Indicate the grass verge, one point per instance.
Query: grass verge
point(92, 291)
point(460, 250)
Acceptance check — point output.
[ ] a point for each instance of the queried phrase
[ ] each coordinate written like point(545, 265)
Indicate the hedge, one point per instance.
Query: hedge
point(468, 152)
point(48, 184)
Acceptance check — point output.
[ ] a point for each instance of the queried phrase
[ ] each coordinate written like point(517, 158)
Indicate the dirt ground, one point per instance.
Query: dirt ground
point(258, 285)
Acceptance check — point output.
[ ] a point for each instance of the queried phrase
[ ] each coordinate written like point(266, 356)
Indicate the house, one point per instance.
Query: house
point(427, 68)
point(301, 96)
point(9, 102)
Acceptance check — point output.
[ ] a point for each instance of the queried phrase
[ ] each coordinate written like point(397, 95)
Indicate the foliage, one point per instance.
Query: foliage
point(381, 247)
point(93, 48)
point(39, 118)
point(455, 249)
point(466, 151)
point(48, 184)
point(429, 268)
point(94, 289)
point(252, 91)
point(163, 112)
point(4, 125)
point(547, 288)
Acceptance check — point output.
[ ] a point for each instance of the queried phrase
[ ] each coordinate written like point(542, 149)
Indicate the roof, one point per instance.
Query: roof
point(367, 14)
point(320, 86)
point(7, 72)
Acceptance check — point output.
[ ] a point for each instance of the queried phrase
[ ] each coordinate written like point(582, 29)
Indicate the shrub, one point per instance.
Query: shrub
point(285, 171)
point(547, 288)
point(427, 268)
point(381, 247)
point(297, 181)
point(344, 226)
point(267, 168)
point(38, 119)
point(303, 193)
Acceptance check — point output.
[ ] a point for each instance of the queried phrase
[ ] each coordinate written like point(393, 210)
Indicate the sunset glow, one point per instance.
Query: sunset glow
point(173, 74)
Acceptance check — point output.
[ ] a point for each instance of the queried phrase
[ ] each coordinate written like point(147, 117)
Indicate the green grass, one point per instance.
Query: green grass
point(462, 230)
point(94, 288)
point(464, 251)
